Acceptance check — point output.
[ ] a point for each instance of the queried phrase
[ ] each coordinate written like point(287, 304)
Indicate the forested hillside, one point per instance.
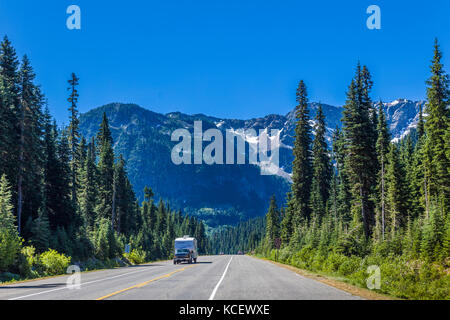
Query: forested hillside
point(210, 192)
point(143, 137)
point(65, 199)
point(245, 237)
point(369, 201)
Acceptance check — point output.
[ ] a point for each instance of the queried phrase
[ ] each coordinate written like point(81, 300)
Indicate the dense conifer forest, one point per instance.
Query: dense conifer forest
point(64, 199)
point(365, 201)
point(368, 201)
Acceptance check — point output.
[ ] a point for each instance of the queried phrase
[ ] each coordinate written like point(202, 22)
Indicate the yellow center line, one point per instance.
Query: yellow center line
point(140, 285)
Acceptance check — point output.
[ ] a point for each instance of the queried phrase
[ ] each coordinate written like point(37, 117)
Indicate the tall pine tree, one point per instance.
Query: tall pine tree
point(272, 223)
point(105, 171)
point(74, 135)
point(321, 167)
point(437, 128)
point(382, 145)
point(302, 166)
point(358, 132)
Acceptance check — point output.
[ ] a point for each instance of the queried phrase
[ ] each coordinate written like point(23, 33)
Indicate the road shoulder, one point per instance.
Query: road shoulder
point(328, 280)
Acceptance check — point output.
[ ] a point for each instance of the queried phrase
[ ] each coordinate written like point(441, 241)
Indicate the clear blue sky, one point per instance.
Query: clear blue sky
point(233, 58)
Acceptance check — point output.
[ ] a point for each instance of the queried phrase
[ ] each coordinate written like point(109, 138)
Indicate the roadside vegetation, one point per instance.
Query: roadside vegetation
point(368, 201)
point(374, 202)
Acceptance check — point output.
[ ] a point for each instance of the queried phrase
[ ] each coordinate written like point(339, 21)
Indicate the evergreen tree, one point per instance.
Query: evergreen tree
point(41, 232)
point(152, 217)
point(343, 187)
point(301, 167)
point(105, 241)
point(123, 205)
point(202, 240)
point(6, 206)
point(321, 168)
point(432, 235)
point(30, 148)
point(382, 146)
point(105, 171)
point(9, 238)
point(420, 124)
point(64, 212)
point(88, 189)
point(396, 192)
point(437, 126)
point(358, 132)
point(74, 135)
point(406, 150)
point(54, 182)
point(286, 222)
point(82, 152)
point(272, 223)
point(417, 182)
point(161, 223)
point(446, 240)
point(104, 133)
point(9, 111)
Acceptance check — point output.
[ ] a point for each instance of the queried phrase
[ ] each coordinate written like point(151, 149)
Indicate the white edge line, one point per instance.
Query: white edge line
point(220, 281)
point(82, 284)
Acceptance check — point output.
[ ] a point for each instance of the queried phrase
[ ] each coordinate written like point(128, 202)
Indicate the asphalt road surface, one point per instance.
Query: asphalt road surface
point(212, 278)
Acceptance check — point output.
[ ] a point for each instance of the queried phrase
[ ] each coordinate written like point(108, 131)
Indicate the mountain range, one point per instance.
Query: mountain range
point(218, 194)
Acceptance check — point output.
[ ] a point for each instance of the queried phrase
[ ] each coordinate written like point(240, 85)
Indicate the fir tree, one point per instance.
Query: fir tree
point(9, 138)
point(437, 126)
point(382, 147)
point(9, 238)
point(105, 171)
point(321, 168)
point(121, 210)
point(104, 133)
point(396, 192)
point(343, 187)
point(9, 112)
point(30, 149)
point(88, 191)
point(358, 132)
point(420, 124)
point(6, 207)
point(161, 223)
point(41, 232)
point(417, 182)
point(74, 135)
point(272, 223)
point(286, 227)
point(301, 167)
point(9, 100)
point(64, 212)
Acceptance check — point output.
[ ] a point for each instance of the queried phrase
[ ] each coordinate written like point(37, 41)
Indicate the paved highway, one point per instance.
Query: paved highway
point(212, 278)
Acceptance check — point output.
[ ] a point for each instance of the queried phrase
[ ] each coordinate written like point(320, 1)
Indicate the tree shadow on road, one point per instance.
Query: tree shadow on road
point(40, 286)
point(143, 266)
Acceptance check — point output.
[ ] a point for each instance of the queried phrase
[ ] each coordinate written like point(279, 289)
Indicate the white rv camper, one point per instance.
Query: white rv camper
point(185, 250)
